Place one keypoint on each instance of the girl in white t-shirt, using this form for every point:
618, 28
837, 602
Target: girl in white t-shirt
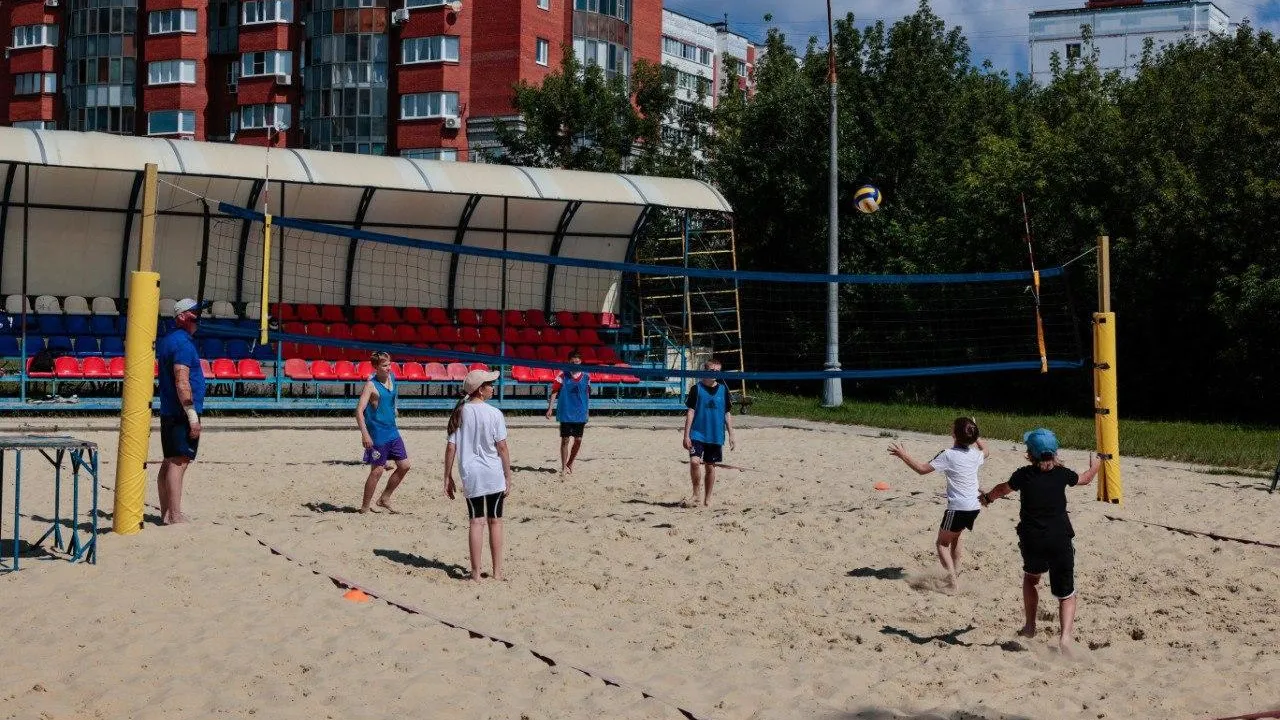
478, 440
959, 464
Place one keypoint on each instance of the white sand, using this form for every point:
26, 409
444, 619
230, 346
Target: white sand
747, 609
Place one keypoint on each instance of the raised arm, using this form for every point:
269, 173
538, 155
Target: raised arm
900, 452
1095, 464
983, 447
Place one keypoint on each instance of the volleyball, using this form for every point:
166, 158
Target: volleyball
867, 198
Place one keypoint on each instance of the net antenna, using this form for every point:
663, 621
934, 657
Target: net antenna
1035, 284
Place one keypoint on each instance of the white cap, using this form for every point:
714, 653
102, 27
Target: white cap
476, 378
184, 305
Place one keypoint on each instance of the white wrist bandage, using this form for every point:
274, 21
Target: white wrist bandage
192, 417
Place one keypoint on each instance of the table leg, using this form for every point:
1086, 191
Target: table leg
17, 503
93, 525
75, 548
57, 502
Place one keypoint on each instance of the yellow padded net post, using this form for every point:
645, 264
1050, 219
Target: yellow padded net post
135, 413
266, 278
1106, 414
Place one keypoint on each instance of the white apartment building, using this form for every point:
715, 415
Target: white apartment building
695, 48
1120, 30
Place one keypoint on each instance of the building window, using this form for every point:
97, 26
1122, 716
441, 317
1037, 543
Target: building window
742, 69
424, 3
35, 83
615, 59
254, 12
171, 21
544, 4
25, 36
36, 125
692, 83
687, 51
171, 72
428, 105
1073, 51
446, 154
233, 76
429, 49
542, 51
616, 8
257, 117
276, 62
171, 122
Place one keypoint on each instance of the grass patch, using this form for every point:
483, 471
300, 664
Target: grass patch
1227, 446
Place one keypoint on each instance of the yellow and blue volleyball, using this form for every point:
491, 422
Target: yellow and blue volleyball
867, 198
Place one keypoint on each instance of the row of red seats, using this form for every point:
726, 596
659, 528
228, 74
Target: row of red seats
604, 355
307, 312
414, 334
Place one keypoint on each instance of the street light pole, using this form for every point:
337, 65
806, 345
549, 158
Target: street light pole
832, 395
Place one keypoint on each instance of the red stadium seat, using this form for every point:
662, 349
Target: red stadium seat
609, 320
365, 369
547, 353
294, 328
544, 375
116, 367
414, 317
525, 352
365, 314
332, 353
406, 335
520, 373
362, 333
205, 367
427, 334
589, 354
511, 335
467, 316
486, 349
530, 336
63, 367
588, 336
551, 336
438, 317
413, 372
340, 331
563, 352
463, 347
346, 370
308, 313
490, 335
566, 318
436, 371
332, 314
447, 334
514, 318
491, 318
569, 336
456, 370
626, 378
588, 320
287, 311
535, 318
251, 369
606, 355
321, 370
389, 315
602, 376
297, 369
383, 333
224, 369
478, 366
291, 350
95, 368
469, 334
310, 351
155, 369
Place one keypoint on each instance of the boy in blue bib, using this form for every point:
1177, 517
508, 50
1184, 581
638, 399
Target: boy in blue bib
376, 418
707, 424
570, 397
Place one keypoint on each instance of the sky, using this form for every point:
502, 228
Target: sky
996, 29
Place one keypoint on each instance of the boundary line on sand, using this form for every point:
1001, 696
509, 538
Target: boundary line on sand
1198, 533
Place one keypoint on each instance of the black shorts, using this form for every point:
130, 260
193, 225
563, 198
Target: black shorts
706, 452
486, 506
175, 437
572, 429
1054, 555
957, 520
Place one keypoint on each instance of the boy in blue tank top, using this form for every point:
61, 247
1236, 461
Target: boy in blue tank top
376, 418
570, 397
707, 423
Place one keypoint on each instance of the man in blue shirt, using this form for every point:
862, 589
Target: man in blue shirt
181, 402
706, 423
570, 398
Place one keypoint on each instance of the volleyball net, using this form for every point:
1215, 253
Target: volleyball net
529, 299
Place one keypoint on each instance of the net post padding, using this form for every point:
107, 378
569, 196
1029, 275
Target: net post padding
135, 412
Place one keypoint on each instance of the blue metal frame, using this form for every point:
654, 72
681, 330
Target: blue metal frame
254, 193
361, 210
562, 227
460, 234
138, 177
64, 448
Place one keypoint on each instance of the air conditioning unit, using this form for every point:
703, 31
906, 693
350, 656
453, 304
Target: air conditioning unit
455, 6
186, 137
51, 3
452, 122
231, 89
284, 79
400, 17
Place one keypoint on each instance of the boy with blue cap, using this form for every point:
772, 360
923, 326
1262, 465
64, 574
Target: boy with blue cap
1044, 528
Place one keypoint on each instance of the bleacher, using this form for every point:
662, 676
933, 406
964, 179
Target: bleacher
87, 339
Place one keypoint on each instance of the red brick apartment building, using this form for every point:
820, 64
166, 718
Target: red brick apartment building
419, 78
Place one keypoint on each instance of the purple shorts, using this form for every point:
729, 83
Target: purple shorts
379, 454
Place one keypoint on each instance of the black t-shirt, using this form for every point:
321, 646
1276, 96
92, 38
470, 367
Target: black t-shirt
1044, 500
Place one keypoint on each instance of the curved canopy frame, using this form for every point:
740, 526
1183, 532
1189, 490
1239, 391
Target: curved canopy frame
83, 195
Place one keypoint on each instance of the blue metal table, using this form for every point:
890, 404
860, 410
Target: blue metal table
84, 462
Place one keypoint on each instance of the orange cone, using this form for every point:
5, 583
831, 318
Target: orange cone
882, 485
356, 595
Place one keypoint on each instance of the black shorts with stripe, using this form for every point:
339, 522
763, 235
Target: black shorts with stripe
485, 506
957, 520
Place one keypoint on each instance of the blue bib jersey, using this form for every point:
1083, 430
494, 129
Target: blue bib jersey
380, 421
575, 393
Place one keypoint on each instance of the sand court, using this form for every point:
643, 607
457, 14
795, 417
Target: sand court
794, 596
